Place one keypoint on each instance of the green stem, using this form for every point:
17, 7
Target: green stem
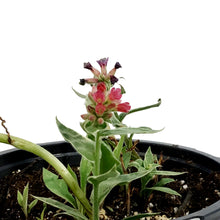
96, 203
54, 162
96, 173
97, 155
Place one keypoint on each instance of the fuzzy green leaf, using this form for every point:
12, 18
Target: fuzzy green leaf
164, 189
32, 204
83, 145
106, 186
20, 198
100, 178
127, 130
25, 199
148, 158
58, 186
85, 170
71, 211
164, 181
79, 94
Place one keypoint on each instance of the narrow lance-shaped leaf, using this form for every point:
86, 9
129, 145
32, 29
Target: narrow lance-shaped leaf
128, 130
106, 186
71, 211
79, 94
83, 145
58, 186
164, 189
85, 170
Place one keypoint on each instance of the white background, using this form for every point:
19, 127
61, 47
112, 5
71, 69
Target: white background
168, 50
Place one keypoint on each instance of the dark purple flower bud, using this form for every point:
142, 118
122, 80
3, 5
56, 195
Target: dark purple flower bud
117, 65
82, 82
90, 109
102, 62
88, 66
113, 79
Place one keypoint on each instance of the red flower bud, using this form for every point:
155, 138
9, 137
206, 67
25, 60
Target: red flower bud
124, 107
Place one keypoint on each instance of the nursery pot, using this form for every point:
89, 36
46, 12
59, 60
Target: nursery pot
180, 156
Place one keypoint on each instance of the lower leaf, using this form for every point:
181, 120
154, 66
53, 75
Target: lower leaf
67, 209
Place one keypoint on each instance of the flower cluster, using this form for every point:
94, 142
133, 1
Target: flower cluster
103, 99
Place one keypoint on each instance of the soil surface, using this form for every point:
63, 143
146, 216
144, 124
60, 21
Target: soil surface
198, 191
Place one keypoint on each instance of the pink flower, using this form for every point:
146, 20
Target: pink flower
124, 107
101, 87
99, 97
115, 94
100, 109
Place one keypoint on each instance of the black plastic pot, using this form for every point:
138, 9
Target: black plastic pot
16, 159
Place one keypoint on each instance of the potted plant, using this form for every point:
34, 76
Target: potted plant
116, 177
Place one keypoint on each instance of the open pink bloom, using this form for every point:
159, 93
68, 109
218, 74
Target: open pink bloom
124, 107
99, 97
100, 109
101, 87
115, 94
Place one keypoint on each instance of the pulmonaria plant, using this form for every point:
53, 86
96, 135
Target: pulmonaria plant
106, 162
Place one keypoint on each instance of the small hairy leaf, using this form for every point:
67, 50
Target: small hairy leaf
164, 189
32, 204
57, 186
127, 130
79, 94
83, 145
71, 211
20, 198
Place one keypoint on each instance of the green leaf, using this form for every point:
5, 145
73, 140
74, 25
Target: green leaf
25, 199
106, 186
71, 211
100, 178
32, 204
79, 94
164, 189
139, 216
164, 181
108, 159
58, 186
167, 173
85, 170
20, 198
118, 148
83, 145
127, 130
148, 158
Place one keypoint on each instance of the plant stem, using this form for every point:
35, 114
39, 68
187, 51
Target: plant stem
95, 202
53, 161
97, 155
96, 173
